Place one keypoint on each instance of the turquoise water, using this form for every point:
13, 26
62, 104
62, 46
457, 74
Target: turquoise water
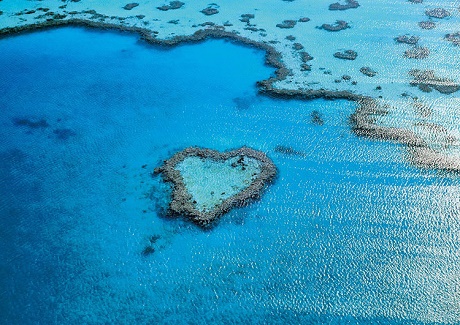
348, 234
222, 177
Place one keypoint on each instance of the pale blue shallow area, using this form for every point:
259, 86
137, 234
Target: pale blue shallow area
349, 233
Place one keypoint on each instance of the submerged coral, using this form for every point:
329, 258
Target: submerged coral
172, 6
412, 40
210, 11
454, 38
417, 52
368, 71
337, 26
350, 4
346, 55
287, 24
427, 24
244, 172
130, 6
426, 81
437, 13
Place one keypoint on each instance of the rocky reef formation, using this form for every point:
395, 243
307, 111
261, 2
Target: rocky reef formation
454, 38
426, 81
93, 19
350, 4
363, 123
287, 24
203, 202
172, 6
316, 118
412, 40
130, 6
437, 13
417, 52
246, 18
337, 26
368, 71
305, 57
288, 151
210, 11
346, 55
427, 24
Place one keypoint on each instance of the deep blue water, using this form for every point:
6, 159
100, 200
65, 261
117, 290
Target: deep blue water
349, 232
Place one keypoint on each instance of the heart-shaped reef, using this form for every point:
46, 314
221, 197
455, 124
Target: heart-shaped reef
208, 183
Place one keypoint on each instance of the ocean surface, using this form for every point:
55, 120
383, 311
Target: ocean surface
349, 233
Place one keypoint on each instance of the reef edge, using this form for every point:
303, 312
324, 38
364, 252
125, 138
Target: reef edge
182, 202
363, 121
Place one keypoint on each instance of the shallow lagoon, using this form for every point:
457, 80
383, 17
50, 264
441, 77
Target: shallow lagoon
202, 174
348, 233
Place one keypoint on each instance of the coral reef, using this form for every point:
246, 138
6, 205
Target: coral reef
350, 4
437, 13
130, 6
346, 55
412, 40
297, 46
246, 18
210, 11
172, 6
305, 57
454, 38
337, 26
368, 71
92, 19
427, 24
426, 81
289, 151
316, 118
287, 24
183, 202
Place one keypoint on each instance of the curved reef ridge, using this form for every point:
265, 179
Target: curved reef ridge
204, 202
364, 121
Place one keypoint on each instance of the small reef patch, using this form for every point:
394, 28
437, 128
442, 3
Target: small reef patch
437, 13
288, 151
454, 38
337, 26
316, 118
207, 183
130, 6
31, 124
368, 71
427, 24
287, 24
209, 11
346, 55
412, 40
426, 81
172, 6
350, 4
417, 52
